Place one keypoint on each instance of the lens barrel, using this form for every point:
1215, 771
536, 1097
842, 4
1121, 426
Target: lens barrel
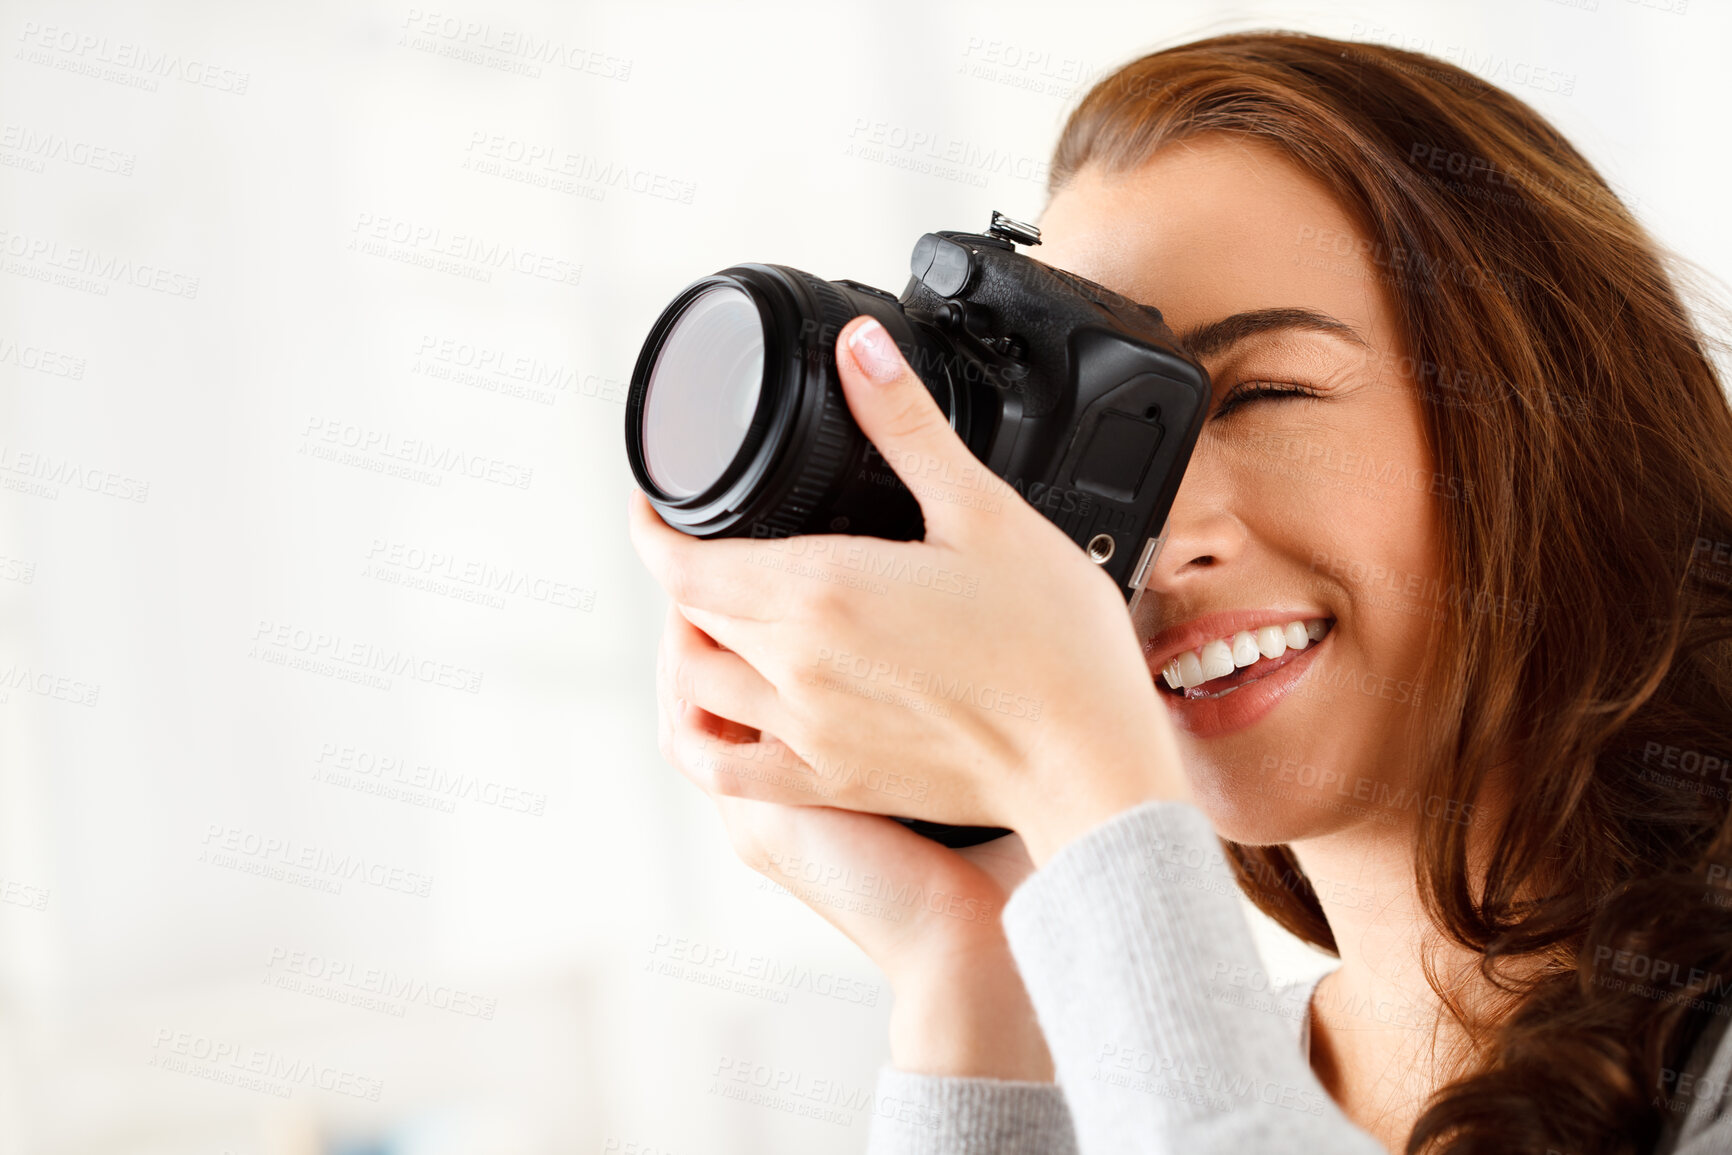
721, 455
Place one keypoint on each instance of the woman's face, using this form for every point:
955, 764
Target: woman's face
1294, 508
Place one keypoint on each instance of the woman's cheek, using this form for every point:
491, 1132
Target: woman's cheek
1378, 562
1332, 753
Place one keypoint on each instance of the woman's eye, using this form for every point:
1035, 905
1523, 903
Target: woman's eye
1240, 394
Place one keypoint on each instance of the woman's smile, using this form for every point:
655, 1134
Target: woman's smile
1223, 672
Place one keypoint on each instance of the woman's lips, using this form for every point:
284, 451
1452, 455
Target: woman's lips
1256, 690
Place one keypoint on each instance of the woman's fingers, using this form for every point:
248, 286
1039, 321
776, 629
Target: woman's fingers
694, 668
742, 764
726, 741
721, 739
899, 896
820, 856
722, 575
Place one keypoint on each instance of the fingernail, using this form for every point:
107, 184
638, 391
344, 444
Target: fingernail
875, 352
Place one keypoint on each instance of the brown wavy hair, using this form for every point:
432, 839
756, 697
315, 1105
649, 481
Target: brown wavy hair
1565, 383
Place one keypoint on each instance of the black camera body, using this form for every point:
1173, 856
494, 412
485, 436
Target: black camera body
1079, 398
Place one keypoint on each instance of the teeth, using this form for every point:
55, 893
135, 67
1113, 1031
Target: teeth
1217, 659
1190, 670
1222, 656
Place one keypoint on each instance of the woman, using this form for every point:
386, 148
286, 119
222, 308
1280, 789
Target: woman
1437, 651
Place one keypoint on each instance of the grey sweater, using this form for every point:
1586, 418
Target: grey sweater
1165, 1033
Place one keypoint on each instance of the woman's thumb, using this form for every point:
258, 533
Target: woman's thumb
901, 418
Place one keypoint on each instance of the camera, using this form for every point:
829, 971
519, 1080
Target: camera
1079, 398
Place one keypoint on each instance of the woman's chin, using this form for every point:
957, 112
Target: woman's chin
1242, 813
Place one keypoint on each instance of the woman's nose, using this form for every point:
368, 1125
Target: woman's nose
1203, 531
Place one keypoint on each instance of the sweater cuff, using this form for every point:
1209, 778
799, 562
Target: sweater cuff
941, 1115
1135, 952
1143, 903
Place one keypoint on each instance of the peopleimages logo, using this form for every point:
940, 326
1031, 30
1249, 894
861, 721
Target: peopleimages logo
463, 253
35, 148
482, 577
812, 881
224, 844
60, 687
136, 65
396, 776
325, 435
714, 964
51, 472
344, 980
254, 1068
42, 255
41, 360
931, 683
509, 49
283, 643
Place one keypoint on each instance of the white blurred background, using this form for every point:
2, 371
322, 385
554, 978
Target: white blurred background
252, 256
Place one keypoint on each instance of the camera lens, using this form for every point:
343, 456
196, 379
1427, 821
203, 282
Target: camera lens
703, 391
736, 425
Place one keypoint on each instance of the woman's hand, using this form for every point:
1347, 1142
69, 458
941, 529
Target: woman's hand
987, 675
928, 916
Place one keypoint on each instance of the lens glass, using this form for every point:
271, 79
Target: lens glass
703, 390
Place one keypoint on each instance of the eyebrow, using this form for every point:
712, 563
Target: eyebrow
1218, 336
